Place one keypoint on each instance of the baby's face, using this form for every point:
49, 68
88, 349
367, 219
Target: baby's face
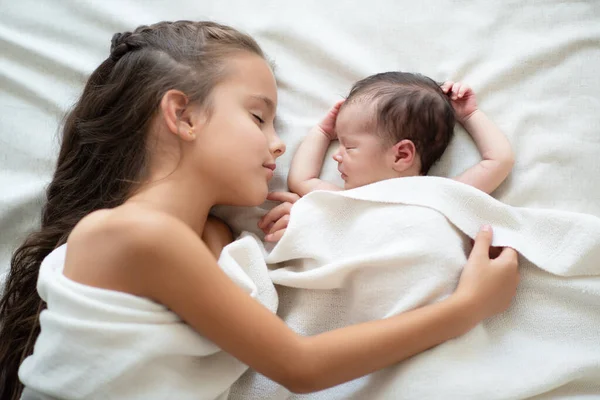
362, 156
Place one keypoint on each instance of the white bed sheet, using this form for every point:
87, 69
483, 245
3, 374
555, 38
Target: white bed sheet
533, 64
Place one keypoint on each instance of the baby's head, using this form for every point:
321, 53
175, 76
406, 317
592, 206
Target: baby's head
392, 124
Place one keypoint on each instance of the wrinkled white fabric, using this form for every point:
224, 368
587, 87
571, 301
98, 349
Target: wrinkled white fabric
103, 344
376, 251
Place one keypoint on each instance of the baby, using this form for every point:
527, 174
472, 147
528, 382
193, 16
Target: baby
398, 124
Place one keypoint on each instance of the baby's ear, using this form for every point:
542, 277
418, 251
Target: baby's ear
405, 155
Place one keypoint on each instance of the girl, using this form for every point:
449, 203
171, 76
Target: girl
177, 119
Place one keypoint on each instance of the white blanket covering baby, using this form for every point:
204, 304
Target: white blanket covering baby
389, 247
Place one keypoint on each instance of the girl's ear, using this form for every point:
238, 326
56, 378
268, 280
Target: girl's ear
404, 155
179, 115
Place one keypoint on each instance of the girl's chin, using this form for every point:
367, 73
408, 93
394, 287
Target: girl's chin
257, 197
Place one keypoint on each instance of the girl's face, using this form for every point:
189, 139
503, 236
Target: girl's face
237, 147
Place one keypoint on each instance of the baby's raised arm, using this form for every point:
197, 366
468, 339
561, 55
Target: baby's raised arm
496, 152
306, 165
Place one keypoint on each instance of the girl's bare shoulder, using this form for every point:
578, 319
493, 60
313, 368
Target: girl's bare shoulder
120, 248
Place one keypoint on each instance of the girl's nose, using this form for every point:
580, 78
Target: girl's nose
276, 146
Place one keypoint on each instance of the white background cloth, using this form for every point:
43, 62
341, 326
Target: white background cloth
533, 65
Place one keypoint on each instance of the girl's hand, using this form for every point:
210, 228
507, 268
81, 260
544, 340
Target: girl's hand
488, 285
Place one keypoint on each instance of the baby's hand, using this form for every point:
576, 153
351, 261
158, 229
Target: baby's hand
462, 98
327, 125
275, 222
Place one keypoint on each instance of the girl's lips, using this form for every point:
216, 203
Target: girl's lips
270, 173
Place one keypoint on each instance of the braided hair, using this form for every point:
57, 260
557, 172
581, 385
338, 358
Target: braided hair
103, 153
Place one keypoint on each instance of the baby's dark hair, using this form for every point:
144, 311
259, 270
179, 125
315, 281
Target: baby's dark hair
409, 106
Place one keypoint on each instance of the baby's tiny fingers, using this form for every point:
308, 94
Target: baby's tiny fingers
280, 224
275, 236
455, 90
446, 86
463, 90
283, 197
274, 214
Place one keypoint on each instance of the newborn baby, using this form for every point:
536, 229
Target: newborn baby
398, 124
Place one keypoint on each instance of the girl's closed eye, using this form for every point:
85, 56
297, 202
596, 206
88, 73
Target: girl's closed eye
258, 119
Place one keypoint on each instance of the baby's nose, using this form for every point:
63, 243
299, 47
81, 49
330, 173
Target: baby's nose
337, 156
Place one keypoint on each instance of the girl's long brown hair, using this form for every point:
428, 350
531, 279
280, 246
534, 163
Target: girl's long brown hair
103, 153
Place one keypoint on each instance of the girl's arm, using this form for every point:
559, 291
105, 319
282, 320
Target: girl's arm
497, 156
182, 274
179, 271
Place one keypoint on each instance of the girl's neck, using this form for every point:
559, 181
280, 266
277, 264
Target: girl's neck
186, 201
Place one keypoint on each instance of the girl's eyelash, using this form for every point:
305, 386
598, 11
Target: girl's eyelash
258, 118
